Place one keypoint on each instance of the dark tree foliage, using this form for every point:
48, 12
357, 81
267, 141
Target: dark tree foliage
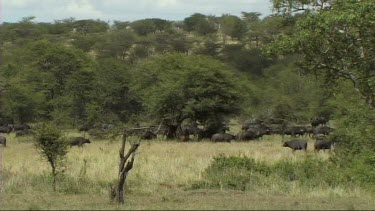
90, 26
147, 26
175, 87
232, 26
200, 24
78, 71
251, 61
335, 41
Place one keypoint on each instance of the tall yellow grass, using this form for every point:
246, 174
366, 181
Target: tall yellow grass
158, 163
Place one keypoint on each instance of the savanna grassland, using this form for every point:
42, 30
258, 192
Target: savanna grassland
162, 178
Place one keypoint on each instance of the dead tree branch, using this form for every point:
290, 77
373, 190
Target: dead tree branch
125, 166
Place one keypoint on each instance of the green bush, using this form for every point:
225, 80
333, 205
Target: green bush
52, 147
244, 173
354, 138
286, 170
237, 163
239, 173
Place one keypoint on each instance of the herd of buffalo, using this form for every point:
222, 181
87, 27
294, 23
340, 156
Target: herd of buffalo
25, 129
253, 129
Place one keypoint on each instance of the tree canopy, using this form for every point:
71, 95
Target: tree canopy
336, 41
175, 87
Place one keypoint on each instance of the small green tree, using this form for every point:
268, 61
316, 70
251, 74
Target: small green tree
52, 147
201, 24
233, 26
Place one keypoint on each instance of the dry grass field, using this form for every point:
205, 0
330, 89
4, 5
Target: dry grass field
161, 178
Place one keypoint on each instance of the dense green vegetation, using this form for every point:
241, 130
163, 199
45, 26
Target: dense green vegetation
86, 71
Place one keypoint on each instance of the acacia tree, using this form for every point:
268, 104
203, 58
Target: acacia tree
150, 25
176, 87
335, 39
200, 23
233, 26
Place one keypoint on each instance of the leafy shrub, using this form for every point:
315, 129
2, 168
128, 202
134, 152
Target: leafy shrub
52, 147
355, 145
244, 173
286, 170
249, 164
233, 173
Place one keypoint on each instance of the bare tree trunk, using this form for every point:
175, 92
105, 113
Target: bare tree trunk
54, 181
53, 168
124, 167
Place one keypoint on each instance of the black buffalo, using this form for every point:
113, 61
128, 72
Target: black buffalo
6, 129
222, 137
319, 121
322, 144
148, 135
78, 141
249, 135
295, 130
309, 130
187, 130
209, 132
251, 123
257, 127
3, 141
296, 144
261, 129
325, 130
276, 129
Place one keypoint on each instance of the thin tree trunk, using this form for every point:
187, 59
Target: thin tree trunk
54, 178
124, 167
53, 168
